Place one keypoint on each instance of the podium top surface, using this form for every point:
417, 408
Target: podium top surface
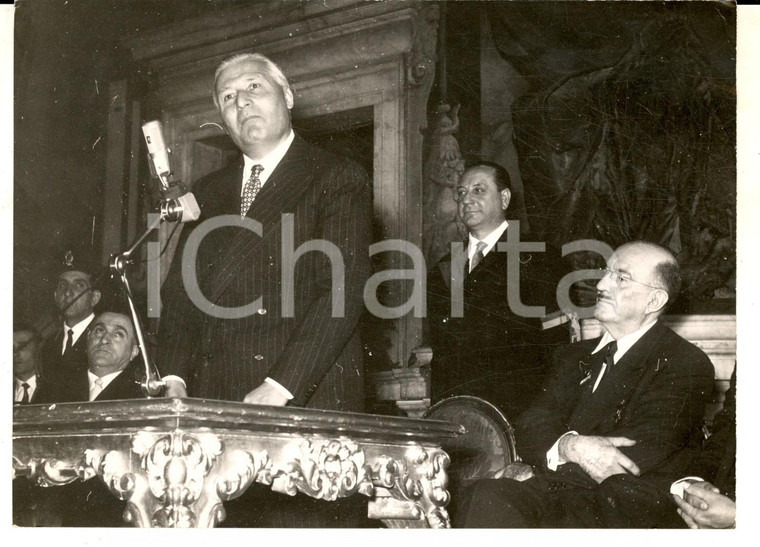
232, 417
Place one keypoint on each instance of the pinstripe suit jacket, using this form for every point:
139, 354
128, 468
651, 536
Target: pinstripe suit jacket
316, 356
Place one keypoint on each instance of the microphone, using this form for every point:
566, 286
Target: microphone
177, 203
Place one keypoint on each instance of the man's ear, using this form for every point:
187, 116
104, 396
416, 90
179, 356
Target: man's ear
94, 297
506, 196
135, 351
289, 100
658, 299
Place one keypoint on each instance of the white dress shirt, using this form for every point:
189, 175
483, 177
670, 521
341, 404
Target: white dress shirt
78, 329
18, 392
553, 459
268, 162
490, 240
104, 380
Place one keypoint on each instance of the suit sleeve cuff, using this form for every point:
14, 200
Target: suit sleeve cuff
279, 387
680, 485
175, 378
553, 459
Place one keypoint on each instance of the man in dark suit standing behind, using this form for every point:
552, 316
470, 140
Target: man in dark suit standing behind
65, 354
491, 350
626, 403
268, 322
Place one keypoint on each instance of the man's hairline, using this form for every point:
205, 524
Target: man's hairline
129, 321
267, 70
654, 275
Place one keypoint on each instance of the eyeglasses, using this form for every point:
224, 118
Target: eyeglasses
618, 277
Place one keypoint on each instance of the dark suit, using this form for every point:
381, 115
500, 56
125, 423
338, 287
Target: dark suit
655, 395
40, 391
125, 386
629, 501
317, 357
56, 368
491, 352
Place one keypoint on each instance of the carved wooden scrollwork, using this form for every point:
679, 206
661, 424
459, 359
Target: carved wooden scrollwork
241, 470
422, 56
421, 479
176, 466
48, 471
112, 467
326, 470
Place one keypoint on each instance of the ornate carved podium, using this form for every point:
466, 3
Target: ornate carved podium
175, 462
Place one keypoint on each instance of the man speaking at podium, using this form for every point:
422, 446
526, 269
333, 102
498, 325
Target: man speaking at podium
272, 319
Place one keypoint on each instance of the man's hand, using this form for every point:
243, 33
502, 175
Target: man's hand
703, 506
174, 389
598, 456
266, 394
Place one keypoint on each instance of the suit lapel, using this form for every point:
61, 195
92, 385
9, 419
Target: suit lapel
617, 385
121, 387
280, 194
494, 263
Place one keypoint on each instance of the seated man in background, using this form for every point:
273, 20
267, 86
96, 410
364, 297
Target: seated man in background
491, 350
112, 372
627, 403
28, 385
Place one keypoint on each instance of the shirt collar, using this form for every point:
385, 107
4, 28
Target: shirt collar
80, 327
107, 379
624, 343
490, 240
268, 162
32, 382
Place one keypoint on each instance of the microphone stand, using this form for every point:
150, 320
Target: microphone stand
152, 385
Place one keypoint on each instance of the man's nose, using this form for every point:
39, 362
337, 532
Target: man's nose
242, 99
604, 282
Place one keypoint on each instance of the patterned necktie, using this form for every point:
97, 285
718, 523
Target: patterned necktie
609, 361
96, 389
25, 398
251, 188
69, 341
478, 256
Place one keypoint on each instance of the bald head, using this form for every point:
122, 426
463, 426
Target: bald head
664, 269
641, 279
